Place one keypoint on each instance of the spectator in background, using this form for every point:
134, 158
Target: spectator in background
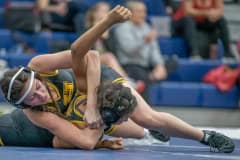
201, 16
138, 51
64, 15
105, 44
137, 48
171, 6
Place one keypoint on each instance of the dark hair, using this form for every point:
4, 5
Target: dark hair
18, 84
115, 101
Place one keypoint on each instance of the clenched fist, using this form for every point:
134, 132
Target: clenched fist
119, 14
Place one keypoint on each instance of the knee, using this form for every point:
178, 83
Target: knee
140, 134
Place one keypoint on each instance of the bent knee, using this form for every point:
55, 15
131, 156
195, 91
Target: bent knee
141, 134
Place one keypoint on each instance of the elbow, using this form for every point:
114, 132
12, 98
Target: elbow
93, 58
93, 55
73, 49
88, 145
34, 62
55, 143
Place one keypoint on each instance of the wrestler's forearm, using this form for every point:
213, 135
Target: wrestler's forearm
86, 41
109, 144
50, 62
84, 138
59, 143
93, 78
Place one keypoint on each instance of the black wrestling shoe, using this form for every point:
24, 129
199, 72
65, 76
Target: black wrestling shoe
218, 142
159, 136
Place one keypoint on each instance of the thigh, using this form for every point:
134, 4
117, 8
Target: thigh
143, 114
8, 133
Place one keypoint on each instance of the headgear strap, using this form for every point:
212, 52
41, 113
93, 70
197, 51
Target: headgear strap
27, 91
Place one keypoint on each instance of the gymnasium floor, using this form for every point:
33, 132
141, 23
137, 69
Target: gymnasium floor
178, 149
147, 149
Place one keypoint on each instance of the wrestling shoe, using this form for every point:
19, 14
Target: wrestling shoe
159, 136
218, 142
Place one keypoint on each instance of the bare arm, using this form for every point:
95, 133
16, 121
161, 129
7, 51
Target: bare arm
50, 62
91, 64
92, 115
191, 11
219, 7
114, 144
216, 12
85, 139
87, 40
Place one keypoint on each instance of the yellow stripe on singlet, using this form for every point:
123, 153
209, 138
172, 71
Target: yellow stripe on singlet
111, 130
1, 142
78, 122
119, 80
75, 109
55, 88
54, 73
81, 96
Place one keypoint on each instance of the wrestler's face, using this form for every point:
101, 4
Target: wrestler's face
38, 94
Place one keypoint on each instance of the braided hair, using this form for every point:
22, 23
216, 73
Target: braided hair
114, 101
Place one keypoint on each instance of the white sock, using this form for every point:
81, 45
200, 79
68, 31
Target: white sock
146, 132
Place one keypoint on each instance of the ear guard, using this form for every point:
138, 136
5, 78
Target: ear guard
19, 101
109, 115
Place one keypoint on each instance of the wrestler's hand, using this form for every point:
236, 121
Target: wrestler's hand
118, 14
114, 144
92, 117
